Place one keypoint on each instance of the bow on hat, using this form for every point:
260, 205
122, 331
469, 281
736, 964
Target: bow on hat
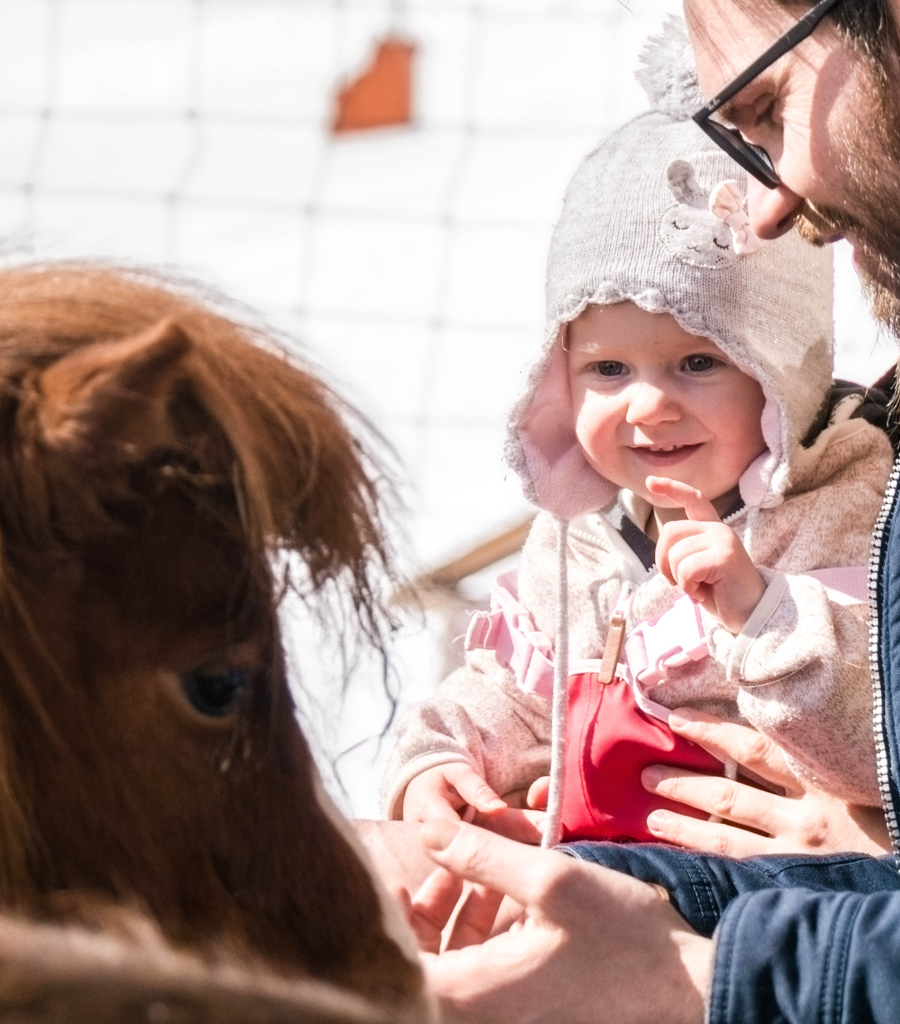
725, 202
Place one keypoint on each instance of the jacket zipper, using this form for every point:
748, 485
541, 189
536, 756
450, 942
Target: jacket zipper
875, 566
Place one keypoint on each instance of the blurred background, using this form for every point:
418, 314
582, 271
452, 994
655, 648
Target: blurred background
380, 180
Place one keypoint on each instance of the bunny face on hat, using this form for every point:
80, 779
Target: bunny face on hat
705, 229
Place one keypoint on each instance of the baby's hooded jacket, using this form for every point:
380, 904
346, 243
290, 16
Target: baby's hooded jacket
636, 226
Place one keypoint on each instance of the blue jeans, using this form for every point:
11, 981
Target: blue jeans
701, 886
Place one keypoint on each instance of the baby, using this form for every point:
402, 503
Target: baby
678, 433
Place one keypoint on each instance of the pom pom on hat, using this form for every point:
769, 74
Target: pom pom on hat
669, 75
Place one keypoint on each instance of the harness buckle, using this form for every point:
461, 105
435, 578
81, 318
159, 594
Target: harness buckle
676, 638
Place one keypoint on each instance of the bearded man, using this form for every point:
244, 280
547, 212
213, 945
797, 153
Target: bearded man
807, 99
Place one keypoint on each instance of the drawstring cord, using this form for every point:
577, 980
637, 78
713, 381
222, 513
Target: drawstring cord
553, 821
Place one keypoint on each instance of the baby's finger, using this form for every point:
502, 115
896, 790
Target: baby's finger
676, 541
538, 794
436, 807
473, 789
695, 506
693, 567
523, 826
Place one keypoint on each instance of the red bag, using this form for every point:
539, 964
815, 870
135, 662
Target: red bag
610, 741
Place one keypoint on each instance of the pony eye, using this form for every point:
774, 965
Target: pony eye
215, 694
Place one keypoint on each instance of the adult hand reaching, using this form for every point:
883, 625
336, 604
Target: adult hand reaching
589, 946
803, 820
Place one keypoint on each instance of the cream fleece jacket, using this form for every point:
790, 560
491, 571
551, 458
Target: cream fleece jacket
798, 671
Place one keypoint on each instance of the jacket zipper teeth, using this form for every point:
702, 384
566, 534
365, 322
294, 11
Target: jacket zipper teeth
881, 752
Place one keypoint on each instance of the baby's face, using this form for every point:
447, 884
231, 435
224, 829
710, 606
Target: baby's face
650, 399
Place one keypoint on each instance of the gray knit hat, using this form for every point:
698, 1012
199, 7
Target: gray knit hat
636, 225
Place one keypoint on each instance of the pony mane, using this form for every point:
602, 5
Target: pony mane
300, 480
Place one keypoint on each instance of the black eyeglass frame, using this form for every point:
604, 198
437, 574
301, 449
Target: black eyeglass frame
754, 159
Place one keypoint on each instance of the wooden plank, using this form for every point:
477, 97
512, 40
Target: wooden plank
447, 577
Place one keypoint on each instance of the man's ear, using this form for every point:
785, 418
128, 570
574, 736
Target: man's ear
114, 390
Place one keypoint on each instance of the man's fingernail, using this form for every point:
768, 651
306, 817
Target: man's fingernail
683, 716
656, 821
651, 776
438, 834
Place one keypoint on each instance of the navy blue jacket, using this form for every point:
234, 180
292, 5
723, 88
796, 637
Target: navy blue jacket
803, 940
793, 955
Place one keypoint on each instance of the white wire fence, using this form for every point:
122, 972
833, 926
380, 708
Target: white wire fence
408, 261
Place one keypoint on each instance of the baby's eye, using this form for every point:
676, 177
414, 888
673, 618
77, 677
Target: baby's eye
609, 368
700, 363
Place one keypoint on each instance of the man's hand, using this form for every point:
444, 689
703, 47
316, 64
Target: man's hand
705, 558
802, 820
589, 945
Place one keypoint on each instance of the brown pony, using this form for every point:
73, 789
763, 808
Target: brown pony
157, 459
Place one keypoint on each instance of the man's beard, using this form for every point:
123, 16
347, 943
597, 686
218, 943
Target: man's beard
870, 174
876, 251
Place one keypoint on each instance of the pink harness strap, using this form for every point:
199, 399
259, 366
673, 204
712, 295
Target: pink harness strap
509, 631
651, 648
847, 584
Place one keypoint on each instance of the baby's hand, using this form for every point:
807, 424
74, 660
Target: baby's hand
455, 791
705, 558
451, 791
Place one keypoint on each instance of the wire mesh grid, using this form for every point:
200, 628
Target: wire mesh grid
409, 260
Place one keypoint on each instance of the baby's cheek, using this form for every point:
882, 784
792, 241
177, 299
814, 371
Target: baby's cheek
594, 426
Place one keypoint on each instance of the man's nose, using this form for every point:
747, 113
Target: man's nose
771, 210
649, 404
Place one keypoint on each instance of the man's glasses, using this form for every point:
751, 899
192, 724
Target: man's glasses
754, 159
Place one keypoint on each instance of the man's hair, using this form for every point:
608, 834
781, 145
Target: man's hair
867, 24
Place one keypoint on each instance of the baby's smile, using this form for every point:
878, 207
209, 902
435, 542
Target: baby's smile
664, 454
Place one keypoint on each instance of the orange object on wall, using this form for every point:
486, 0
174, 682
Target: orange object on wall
382, 94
